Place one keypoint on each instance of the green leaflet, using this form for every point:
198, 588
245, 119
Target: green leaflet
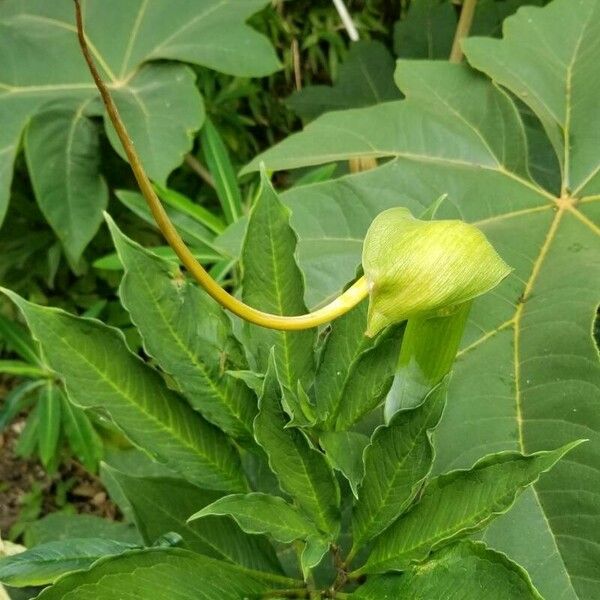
46, 563
396, 463
464, 571
155, 573
273, 283
19, 340
160, 102
456, 504
261, 513
99, 371
188, 334
302, 471
163, 504
69, 188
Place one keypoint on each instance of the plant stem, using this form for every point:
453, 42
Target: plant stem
338, 307
462, 30
195, 165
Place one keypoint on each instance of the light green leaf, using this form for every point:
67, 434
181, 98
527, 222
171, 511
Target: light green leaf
456, 504
123, 38
344, 449
159, 573
366, 77
46, 563
99, 371
49, 400
396, 464
62, 526
261, 513
273, 283
188, 334
62, 148
222, 171
163, 504
312, 554
302, 471
111, 262
465, 571
527, 375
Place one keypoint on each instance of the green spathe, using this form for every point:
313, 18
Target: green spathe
422, 267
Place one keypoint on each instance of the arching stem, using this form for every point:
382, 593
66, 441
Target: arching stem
338, 307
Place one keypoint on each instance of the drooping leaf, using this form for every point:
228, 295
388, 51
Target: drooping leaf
302, 471
465, 571
19, 340
396, 463
366, 77
273, 283
188, 334
159, 573
527, 375
344, 450
62, 526
163, 504
62, 147
261, 513
99, 371
456, 504
160, 102
46, 563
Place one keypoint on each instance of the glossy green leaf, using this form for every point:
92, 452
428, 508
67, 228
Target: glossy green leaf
456, 504
99, 371
157, 98
49, 400
365, 77
163, 504
63, 526
62, 148
46, 563
161, 572
527, 375
188, 334
302, 471
344, 450
273, 283
396, 463
261, 513
465, 571
219, 164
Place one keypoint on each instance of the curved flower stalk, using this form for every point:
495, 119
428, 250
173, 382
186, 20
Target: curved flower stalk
411, 267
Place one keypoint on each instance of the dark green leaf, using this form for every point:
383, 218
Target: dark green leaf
465, 571
302, 471
188, 334
99, 371
19, 340
49, 401
458, 503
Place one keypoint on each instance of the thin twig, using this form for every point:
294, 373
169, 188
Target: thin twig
195, 165
297, 66
462, 29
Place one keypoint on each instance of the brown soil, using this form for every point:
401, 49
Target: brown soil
71, 485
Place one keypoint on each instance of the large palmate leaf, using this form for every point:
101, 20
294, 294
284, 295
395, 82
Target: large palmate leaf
164, 504
465, 571
188, 334
159, 573
527, 376
42, 65
100, 372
